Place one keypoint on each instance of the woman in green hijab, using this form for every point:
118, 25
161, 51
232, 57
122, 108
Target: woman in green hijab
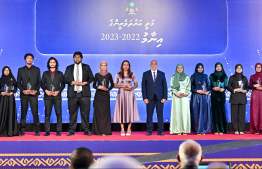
218, 81
180, 122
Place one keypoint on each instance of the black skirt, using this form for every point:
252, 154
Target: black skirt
8, 117
102, 114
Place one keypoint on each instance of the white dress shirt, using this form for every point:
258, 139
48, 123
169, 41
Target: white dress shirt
153, 74
78, 88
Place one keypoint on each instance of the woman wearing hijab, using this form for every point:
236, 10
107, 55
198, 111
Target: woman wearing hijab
200, 103
256, 101
102, 114
218, 81
180, 112
8, 115
238, 86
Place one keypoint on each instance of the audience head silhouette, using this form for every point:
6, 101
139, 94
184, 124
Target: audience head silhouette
81, 158
190, 154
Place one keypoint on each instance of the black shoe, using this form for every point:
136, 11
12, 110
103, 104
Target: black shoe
47, 134
21, 133
37, 133
58, 133
70, 134
160, 133
148, 133
87, 133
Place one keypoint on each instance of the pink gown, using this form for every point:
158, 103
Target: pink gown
126, 107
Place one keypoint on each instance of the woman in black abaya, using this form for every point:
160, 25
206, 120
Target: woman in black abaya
8, 114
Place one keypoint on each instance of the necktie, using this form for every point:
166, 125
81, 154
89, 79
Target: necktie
155, 80
77, 76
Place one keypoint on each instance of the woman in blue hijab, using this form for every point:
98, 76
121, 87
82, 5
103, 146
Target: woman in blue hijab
200, 103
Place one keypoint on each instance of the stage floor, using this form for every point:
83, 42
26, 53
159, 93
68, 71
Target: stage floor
79, 136
153, 151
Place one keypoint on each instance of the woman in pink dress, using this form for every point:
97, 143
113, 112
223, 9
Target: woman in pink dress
256, 101
125, 107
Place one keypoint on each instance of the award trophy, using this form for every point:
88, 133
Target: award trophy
52, 89
242, 86
258, 81
104, 82
29, 87
204, 88
6, 88
218, 83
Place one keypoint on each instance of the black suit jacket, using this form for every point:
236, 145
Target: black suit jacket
237, 98
87, 76
58, 83
23, 79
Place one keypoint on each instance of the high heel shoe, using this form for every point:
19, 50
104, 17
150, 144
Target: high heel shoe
123, 133
128, 134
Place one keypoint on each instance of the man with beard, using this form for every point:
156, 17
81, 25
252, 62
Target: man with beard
53, 85
29, 82
78, 77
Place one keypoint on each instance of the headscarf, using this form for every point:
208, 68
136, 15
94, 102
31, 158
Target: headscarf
7, 79
200, 76
219, 73
258, 74
238, 76
178, 77
103, 73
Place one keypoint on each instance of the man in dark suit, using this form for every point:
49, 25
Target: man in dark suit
154, 91
29, 82
78, 77
53, 85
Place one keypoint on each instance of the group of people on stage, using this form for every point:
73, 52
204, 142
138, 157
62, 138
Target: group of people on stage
205, 113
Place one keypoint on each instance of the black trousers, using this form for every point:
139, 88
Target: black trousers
238, 112
159, 110
73, 104
48, 110
34, 108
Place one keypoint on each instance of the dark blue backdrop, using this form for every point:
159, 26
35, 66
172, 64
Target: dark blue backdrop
171, 31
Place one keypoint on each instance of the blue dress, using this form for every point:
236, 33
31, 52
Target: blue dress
200, 106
